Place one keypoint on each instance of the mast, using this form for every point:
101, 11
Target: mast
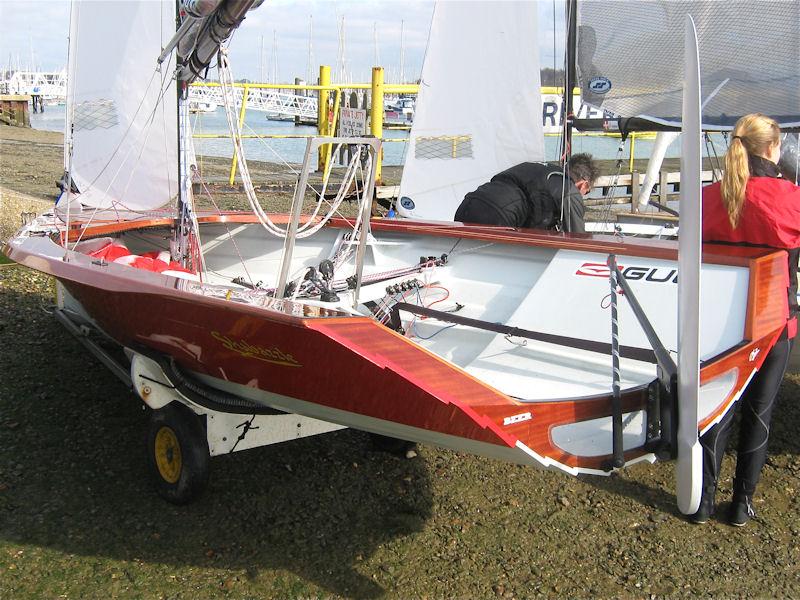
402, 55
180, 247
177, 244
274, 56
261, 62
342, 58
310, 61
69, 100
570, 54
570, 57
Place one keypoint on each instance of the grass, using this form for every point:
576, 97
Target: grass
14, 207
326, 517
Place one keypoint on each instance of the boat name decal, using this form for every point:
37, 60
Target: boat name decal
652, 274
271, 355
526, 416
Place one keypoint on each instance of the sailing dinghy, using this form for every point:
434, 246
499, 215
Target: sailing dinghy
540, 348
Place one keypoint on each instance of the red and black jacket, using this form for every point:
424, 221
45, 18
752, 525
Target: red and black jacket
770, 217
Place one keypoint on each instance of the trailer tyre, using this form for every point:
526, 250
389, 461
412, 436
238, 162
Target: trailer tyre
177, 453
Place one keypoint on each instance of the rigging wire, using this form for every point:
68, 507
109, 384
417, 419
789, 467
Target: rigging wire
309, 227
711, 152
115, 203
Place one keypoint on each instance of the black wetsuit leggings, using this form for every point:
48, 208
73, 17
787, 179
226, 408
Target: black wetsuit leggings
756, 406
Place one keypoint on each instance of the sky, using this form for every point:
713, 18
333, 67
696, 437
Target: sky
35, 32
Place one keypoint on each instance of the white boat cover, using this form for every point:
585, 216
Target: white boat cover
122, 110
630, 58
479, 106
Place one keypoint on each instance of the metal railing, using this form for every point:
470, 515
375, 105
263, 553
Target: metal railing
274, 97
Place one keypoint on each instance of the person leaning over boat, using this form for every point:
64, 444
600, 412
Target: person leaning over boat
529, 195
752, 206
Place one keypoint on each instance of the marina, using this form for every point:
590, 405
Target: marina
261, 275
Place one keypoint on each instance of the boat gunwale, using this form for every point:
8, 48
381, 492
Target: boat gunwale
587, 242
168, 286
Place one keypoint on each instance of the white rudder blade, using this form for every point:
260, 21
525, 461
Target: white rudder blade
689, 469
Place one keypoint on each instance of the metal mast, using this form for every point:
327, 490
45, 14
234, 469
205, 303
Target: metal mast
402, 55
310, 62
570, 57
179, 248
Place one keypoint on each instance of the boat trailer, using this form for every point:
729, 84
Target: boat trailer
189, 422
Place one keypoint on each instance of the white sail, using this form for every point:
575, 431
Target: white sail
122, 110
479, 106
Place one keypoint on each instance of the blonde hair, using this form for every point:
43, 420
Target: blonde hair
753, 134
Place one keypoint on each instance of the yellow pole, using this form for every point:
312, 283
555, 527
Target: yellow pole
376, 116
242, 110
322, 116
335, 117
633, 146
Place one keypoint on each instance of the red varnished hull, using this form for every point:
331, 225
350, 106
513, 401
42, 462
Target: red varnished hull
351, 364
361, 370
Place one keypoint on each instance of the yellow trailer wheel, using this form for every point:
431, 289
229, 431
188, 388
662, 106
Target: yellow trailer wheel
177, 452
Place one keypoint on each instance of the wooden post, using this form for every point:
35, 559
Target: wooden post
14, 110
635, 192
376, 117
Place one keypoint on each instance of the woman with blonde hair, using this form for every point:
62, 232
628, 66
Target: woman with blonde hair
752, 206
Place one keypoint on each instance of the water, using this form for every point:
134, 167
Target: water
271, 150
293, 150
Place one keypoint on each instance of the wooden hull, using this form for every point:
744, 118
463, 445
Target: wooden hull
350, 369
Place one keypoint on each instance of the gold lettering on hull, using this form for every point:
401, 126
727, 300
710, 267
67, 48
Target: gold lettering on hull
272, 355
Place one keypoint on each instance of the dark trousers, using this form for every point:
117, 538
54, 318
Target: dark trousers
756, 406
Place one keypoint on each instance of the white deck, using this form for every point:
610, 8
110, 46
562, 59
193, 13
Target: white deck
559, 292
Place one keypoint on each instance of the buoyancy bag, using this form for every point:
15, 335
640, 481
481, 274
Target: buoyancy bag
495, 203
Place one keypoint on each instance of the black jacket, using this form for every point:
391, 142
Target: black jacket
543, 186
525, 195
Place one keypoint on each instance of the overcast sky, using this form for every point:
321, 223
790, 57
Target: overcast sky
35, 32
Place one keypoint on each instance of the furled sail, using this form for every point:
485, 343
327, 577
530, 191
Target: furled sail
479, 106
630, 58
121, 109
207, 23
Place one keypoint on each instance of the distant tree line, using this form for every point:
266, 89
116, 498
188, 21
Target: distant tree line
550, 77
